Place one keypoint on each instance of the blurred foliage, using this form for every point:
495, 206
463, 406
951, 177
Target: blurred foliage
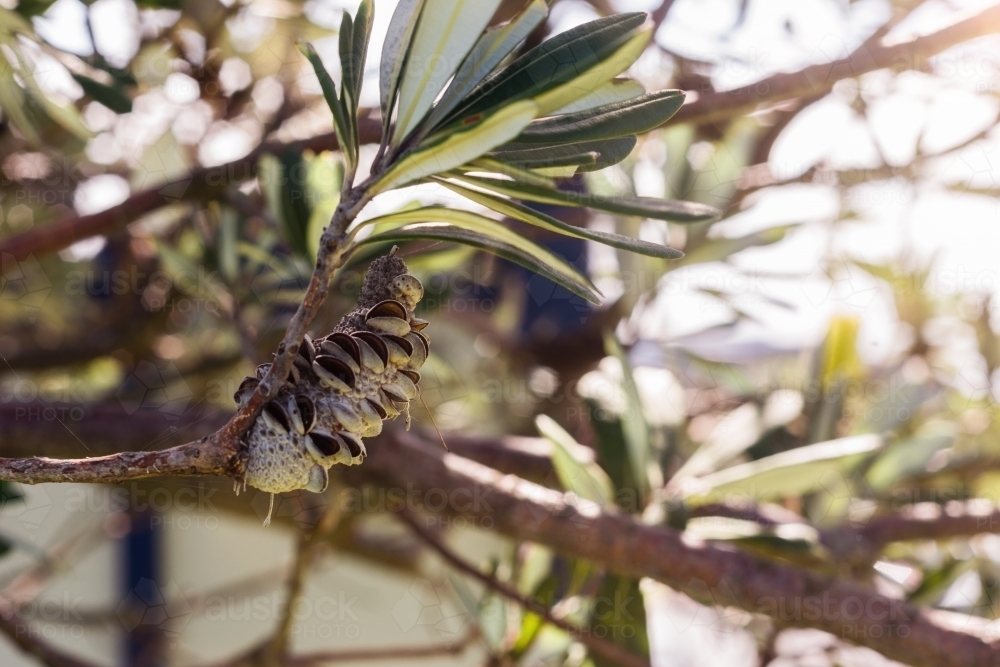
641, 420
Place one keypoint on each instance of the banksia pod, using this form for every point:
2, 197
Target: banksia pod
341, 387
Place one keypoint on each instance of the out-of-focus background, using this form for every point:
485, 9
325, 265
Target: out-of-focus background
849, 288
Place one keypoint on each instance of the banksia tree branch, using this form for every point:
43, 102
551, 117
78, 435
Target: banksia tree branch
789, 595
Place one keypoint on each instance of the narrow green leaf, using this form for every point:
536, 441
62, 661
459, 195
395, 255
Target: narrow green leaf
645, 207
634, 116
495, 45
460, 147
445, 34
347, 64
530, 156
586, 480
720, 248
794, 472
552, 63
394, 54
634, 427
363, 22
518, 211
66, 115
490, 165
340, 120
616, 90
13, 100
733, 435
110, 96
596, 76
482, 225
450, 234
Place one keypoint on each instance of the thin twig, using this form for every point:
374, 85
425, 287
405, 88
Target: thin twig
402, 653
32, 642
613, 652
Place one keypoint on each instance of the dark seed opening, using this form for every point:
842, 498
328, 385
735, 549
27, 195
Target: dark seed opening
307, 410
348, 344
388, 308
413, 375
402, 342
425, 340
376, 343
327, 444
378, 408
279, 414
306, 350
352, 446
337, 368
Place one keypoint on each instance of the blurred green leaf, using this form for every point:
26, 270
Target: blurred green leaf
625, 204
794, 472
634, 426
112, 97
910, 456
717, 250
585, 479
733, 435
518, 211
340, 115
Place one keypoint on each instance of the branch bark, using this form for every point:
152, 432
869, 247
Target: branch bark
871, 56
789, 595
609, 650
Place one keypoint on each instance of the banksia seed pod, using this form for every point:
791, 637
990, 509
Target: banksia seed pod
341, 387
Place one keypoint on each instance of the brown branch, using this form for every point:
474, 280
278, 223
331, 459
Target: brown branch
199, 184
789, 595
402, 653
913, 54
930, 521
31, 642
613, 652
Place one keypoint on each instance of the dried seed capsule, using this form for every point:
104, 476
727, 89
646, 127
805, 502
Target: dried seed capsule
387, 308
354, 445
307, 350
345, 416
389, 325
420, 349
407, 289
307, 412
334, 373
406, 383
371, 420
374, 353
319, 479
418, 324
400, 349
276, 417
336, 349
246, 388
377, 406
